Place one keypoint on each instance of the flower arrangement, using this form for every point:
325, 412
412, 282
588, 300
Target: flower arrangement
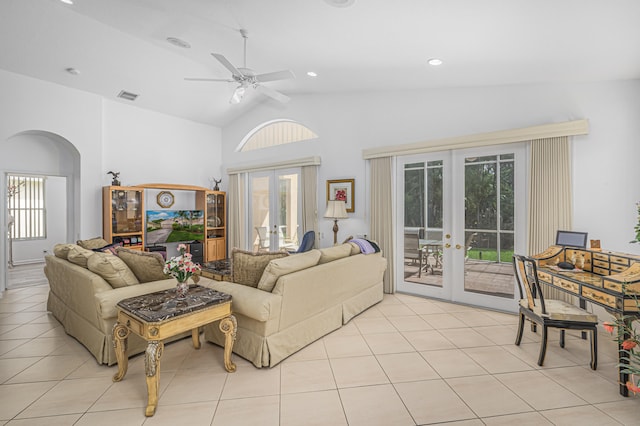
628, 339
181, 267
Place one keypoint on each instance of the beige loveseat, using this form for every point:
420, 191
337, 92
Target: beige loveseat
85, 286
312, 294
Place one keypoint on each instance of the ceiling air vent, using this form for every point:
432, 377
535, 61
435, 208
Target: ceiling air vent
127, 95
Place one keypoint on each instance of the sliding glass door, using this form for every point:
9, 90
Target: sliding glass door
461, 212
274, 210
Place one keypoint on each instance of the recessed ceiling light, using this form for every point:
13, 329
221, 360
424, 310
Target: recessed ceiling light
177, 42
67, 1
312, 74
434, 62
340, 3
72, 71
127, 95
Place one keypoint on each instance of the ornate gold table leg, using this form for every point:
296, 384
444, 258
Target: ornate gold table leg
228, 326
120, 334
195, 337
152, 370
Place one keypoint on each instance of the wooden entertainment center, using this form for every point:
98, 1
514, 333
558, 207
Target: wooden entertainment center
123, 216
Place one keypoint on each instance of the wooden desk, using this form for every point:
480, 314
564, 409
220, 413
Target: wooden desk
158, 316
608, 279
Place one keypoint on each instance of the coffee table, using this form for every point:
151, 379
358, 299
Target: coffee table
160, 315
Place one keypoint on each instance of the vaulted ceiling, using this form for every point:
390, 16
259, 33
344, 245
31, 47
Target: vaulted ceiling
370, 45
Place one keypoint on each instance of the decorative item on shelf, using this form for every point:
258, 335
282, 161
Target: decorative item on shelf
115, 181
342, 190
336, 209
182, 268
216, 187
165, 199
595, 245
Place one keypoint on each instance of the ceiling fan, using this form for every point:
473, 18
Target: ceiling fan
248, 78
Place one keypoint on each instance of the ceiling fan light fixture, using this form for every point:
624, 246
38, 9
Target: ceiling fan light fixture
238, 94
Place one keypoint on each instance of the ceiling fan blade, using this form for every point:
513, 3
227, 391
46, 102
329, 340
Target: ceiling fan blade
273, 94
273, 76
227, 65
209, 79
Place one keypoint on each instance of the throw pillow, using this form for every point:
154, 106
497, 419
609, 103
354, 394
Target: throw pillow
248, 266
79, 255
146, 266
330, 254
278, 267
93, 243
112, 269
62, 250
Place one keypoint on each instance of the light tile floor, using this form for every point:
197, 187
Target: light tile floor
405, 361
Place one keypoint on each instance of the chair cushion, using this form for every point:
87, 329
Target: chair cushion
112, 269
79, 255
93, 243
286, 265
248, 267
561, 311
146, 266
330, 254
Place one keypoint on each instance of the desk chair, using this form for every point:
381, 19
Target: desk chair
412, 248
549, 313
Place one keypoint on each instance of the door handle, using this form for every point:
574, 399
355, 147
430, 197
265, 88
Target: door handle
458, 246
447, 245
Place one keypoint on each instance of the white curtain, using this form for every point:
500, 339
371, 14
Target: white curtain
381, 210
309, 189
236, 205
550, 197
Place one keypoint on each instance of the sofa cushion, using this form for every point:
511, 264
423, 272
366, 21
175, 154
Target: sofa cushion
330, 254
247, 267
278, 267
112, 269
146, 266
79, 255
93, 243
62, 250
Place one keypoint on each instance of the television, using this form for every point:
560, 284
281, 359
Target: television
174, 226
571, 239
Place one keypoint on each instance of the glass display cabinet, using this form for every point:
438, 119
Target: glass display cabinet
123, 215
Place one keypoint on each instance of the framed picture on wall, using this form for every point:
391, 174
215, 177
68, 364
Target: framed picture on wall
342, 189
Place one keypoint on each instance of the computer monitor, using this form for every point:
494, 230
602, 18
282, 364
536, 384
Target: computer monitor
571, 239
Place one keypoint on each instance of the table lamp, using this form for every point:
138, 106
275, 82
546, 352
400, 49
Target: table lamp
336, 209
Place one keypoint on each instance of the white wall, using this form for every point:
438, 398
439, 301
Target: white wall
143, 145
605, 170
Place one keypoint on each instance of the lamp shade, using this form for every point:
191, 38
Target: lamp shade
336, 209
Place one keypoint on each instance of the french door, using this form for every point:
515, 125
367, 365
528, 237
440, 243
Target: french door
461, 215
274, 210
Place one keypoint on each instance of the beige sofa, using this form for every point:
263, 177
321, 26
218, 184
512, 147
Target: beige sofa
305, 304
84, 301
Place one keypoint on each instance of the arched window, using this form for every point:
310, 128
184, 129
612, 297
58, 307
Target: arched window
275, 132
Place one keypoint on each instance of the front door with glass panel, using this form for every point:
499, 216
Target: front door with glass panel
274, 210
461, 211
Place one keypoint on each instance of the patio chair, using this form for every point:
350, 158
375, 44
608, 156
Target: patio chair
549, 313
412, 249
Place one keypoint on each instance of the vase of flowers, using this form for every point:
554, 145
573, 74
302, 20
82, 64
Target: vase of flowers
182, 268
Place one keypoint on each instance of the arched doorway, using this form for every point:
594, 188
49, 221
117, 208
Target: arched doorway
42, 153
